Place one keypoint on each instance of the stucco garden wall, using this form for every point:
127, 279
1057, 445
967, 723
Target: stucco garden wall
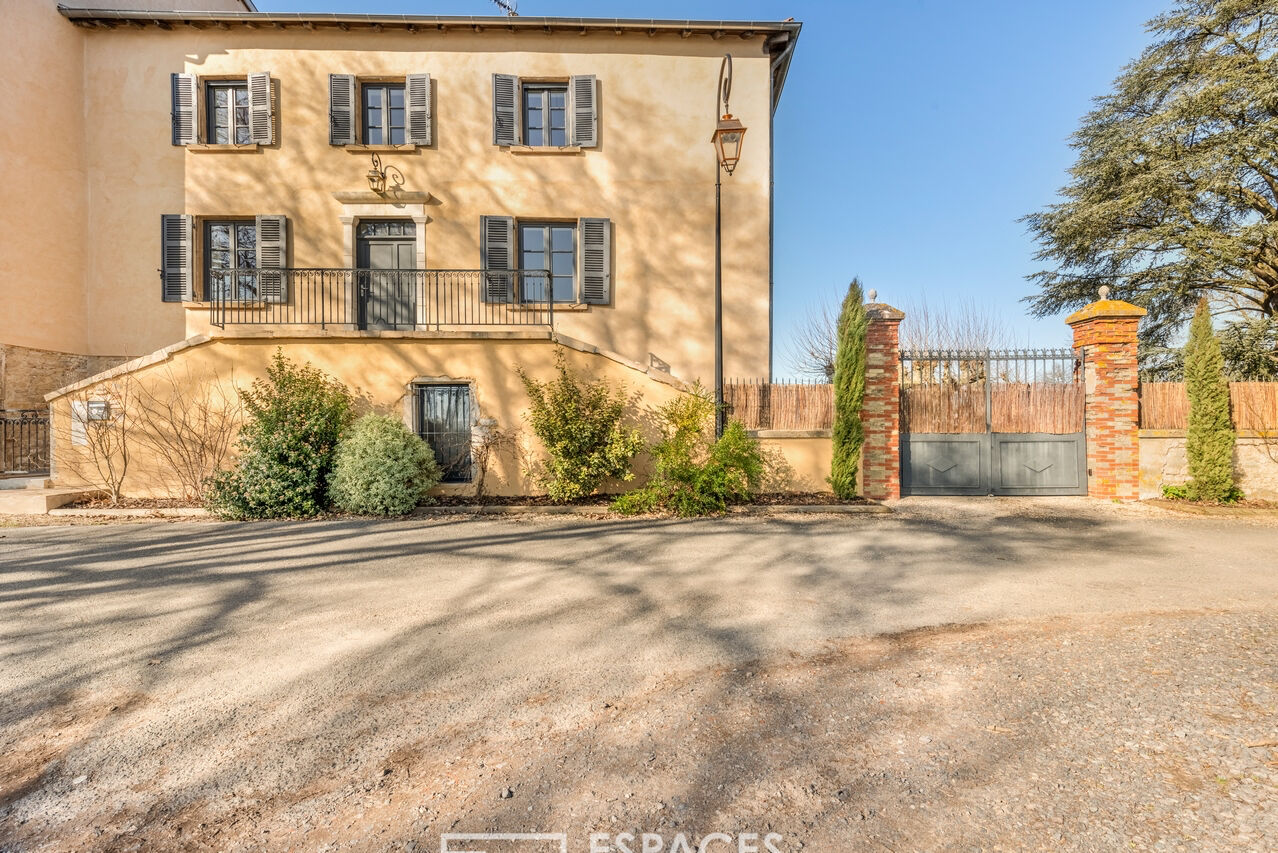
1163, 462
379, 371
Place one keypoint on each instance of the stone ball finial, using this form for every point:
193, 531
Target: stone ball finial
874, 296
1104, 291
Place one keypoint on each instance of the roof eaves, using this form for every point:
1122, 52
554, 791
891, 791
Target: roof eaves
480, 22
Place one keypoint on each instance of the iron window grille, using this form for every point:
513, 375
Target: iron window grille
443, 420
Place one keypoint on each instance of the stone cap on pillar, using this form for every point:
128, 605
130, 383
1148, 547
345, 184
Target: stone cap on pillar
883, 311
1105, 309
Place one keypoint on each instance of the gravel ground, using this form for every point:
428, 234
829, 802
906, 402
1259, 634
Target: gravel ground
961, 675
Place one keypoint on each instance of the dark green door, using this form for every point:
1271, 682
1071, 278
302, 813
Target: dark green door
386, 261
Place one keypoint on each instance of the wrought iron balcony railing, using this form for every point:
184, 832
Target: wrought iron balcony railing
403, 300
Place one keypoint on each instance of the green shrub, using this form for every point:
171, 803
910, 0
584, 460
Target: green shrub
849, 393
1176, 493
293, 420
381, 468
694, 475
1209, 440
579, 423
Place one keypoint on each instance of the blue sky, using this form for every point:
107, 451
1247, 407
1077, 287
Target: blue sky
952, 122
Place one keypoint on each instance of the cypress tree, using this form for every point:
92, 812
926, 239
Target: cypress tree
1209, 441
849, 393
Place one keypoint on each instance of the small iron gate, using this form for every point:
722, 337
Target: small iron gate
1000, 422
24, 441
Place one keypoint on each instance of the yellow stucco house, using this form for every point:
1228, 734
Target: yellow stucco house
414, 204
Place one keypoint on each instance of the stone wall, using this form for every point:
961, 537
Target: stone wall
26, 374
1163, 463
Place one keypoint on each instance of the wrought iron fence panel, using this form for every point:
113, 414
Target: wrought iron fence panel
24, 441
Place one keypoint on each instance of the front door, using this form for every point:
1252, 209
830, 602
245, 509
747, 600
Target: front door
386, 278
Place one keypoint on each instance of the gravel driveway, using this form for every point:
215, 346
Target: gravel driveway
964, 674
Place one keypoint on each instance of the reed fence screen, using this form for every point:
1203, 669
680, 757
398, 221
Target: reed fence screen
780, 405
1253, 405
1005, 391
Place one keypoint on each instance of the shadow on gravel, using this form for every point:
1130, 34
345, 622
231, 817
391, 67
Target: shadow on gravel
527, 619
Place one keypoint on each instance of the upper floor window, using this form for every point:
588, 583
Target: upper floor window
379, 112
550, 246
383, 110
230, 259
227, 111
238, 258
575, 255
545, 113
223, 111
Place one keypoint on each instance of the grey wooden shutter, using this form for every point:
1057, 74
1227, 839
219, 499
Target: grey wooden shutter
272, 257
585, 110
497, 252
175, 258
341, 109
594, 261
417, 101
261, 116
183, 115
505, 109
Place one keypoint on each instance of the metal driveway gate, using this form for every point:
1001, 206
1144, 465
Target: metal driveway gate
1000, 422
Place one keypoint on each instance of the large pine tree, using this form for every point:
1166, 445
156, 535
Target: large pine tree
1174, 195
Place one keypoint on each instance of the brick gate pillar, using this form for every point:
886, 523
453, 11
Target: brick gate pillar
1105, 334
881, 410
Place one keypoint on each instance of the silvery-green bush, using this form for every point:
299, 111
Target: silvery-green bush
381, 468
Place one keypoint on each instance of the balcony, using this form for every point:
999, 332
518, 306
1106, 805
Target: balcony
383, 300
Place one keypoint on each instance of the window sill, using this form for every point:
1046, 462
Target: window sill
542, 149
208, 146
560, 307
366, 149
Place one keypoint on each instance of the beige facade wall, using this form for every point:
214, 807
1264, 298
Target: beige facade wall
652, 173
43, 229
1163, 463
379, 370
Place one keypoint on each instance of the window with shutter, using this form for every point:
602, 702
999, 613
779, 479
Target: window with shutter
183, 115
261, 118
595, 261
505, 109
272, 258
417, 95
175, 258
341, 109
497, 256
583, 91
